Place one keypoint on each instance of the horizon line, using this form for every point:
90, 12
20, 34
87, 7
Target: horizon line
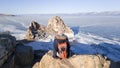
56, 13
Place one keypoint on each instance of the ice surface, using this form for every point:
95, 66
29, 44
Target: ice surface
93, 35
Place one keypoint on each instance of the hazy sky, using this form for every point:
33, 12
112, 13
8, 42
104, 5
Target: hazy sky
57, 6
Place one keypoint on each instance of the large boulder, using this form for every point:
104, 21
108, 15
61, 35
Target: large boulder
36, 31
56, 23
24, 55
7, 46
76, 61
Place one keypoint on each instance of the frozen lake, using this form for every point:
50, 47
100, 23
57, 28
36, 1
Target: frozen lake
90, 31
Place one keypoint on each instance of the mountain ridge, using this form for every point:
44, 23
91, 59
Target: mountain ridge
101, 13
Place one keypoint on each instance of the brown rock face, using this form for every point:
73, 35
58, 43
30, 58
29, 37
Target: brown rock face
38, 31
34, 25
76, 61
35, 31
55, 24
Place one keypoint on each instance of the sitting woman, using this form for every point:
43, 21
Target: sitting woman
61, 46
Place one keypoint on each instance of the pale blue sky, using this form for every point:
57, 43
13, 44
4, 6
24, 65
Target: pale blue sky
57, 6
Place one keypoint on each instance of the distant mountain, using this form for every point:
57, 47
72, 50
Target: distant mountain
105, 13
6, 14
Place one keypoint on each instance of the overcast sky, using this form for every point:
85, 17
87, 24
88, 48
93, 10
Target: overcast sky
57, 6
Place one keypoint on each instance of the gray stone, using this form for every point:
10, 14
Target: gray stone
24, 55
7, 46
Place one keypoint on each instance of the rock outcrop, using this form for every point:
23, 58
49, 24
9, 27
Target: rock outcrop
7, 46
76, 61
55, 24
38, 31
14, 54
24, 55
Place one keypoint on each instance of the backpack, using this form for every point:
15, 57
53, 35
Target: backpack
62, 50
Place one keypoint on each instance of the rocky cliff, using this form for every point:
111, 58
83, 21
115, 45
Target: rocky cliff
7, 46
56, 23
14, 54
38, 31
